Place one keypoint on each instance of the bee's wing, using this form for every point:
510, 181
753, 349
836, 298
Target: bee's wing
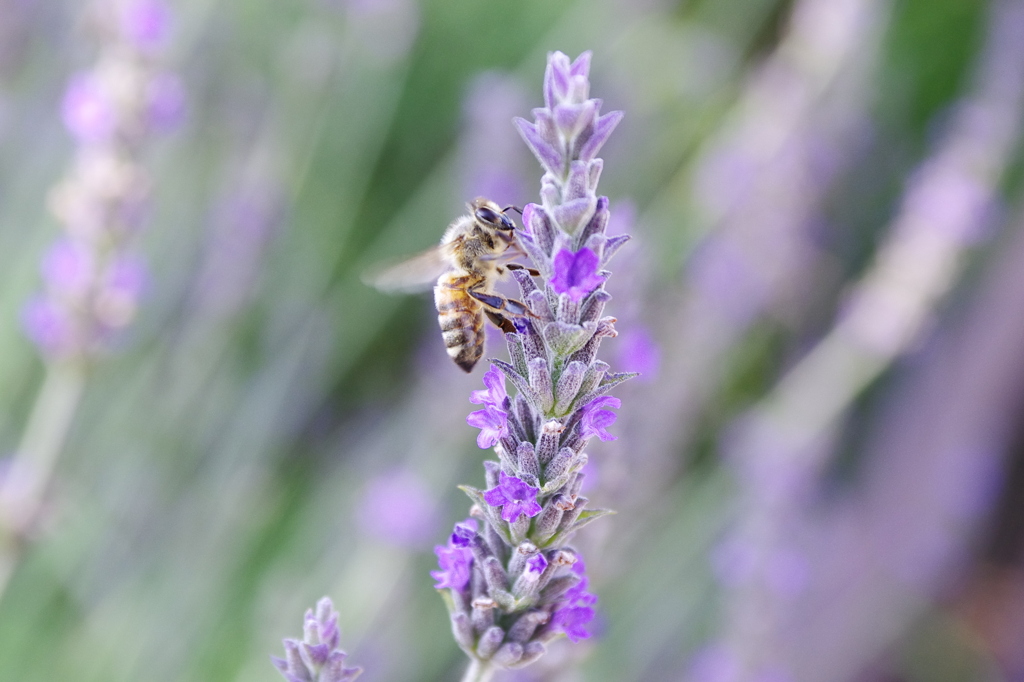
417, 273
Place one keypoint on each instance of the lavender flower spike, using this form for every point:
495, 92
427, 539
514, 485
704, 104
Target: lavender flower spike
316, 658
93, 278
93, 275
515, 584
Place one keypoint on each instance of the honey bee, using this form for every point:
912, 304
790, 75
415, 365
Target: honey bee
472, 256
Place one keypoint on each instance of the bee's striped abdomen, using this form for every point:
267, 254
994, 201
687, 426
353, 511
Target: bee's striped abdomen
461, 319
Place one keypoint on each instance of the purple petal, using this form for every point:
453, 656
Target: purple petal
548, 157
537, 564
455, 567
598, 222
612, 246
511, 511
574, 213
571, 119
544, 124
556, 79
493, 424
514, 496
603, 128
576, 186
527, 217
330, 634
495, 497
316, 653
335, 670
515, 487
540, 227
602, 402
495, 393
464, 533
596, 419
579, 90
581, 67
572, 621
483, 419
576, 273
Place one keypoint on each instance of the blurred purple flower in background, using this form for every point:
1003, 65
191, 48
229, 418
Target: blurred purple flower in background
714, 663
87, 109
46, 325
397, 507
241, 228
146, 24
69, 267
638, 352
166, 108
878, 555
92, 278
492, 159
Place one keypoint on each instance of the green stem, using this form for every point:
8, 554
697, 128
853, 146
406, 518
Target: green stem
478, 671
45, 433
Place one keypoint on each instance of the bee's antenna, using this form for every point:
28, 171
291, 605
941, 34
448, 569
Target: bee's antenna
513, 208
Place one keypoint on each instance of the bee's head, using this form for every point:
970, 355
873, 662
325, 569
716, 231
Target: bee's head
488, 213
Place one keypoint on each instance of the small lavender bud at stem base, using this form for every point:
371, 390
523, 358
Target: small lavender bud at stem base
490, 641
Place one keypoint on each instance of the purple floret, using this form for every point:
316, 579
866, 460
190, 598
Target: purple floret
495, 394
596, 419
493, 425
576, 273
455, 564
514, 497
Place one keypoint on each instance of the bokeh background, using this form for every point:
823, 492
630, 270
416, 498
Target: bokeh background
818, 476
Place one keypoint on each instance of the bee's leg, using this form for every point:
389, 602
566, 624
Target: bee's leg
502, 323
508, 306
517, 266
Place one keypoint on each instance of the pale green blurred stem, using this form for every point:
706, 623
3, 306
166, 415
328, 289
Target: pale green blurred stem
478, 671
41, 444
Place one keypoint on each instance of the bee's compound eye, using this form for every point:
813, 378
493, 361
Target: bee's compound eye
488, 216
